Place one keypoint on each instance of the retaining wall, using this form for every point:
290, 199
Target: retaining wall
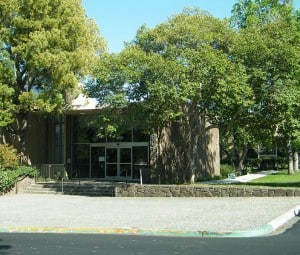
135, 190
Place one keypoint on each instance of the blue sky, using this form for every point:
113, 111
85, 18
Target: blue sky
119, 20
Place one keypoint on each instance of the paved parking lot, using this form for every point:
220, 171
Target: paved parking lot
153, 214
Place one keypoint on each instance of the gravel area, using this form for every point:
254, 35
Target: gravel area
184, 214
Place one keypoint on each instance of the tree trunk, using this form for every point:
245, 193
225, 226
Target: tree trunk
296, 161
16, 135
240, 156
241, 159
290, 157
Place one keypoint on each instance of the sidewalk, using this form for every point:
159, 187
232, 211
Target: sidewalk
242, 178
229, 217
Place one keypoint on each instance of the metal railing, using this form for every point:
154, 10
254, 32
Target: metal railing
52, 171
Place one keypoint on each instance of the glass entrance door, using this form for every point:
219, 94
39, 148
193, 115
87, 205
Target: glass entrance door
119, 163
112, 163
125, 163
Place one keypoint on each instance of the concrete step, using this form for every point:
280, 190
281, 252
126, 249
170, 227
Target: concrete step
72, 189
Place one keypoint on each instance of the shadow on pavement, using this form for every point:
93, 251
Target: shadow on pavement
4, 248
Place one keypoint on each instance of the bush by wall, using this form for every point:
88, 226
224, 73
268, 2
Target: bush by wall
266, 163
8, 178
226, 170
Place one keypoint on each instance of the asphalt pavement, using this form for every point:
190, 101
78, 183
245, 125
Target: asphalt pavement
197, 217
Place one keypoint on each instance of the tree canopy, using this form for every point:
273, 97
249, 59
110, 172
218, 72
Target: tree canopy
51, 49
268, 47
242, 77
7, 108
51, 45
179, 73
183, 65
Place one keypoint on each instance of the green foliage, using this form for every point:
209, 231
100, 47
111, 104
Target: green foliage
226, 170
7, 108
268, 46
265, 163
9, 158
47, 48
7, 181
26, 171
179, 68
51, 49
248, 13
9, 178
270, 52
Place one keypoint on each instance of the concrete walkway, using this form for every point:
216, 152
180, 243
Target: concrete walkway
242, 178
146, 216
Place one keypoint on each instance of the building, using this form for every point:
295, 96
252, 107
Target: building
69, 142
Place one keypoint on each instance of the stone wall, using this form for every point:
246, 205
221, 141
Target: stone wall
135, 190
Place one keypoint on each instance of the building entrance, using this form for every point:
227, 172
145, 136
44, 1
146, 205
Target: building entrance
118, 161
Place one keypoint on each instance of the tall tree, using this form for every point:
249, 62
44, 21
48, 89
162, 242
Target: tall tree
7, 107
247, 13
51, 45
179, 75
269, 48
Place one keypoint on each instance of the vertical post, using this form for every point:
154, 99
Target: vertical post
62, 172
49, 171
290, 156
141, 175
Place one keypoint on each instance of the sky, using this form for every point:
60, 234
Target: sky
119, 20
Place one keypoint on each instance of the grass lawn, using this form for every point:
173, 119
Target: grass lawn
280, 179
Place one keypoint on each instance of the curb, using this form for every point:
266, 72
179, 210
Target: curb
261, 231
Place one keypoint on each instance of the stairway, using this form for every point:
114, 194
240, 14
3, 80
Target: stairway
72, 188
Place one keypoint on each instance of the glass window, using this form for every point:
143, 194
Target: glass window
83, 132
81, 160
140, 155
98, 162
59, 141
111, 155
140, 160
112, 170
125, 155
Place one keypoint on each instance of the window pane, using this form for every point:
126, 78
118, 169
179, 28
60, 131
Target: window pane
111, 155
140, 154
125, 170
125, 155
81, 160
111, 170
98, 162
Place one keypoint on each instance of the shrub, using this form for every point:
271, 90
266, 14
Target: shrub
9, 158
266, 163
26, 171
225, 170
9, 178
